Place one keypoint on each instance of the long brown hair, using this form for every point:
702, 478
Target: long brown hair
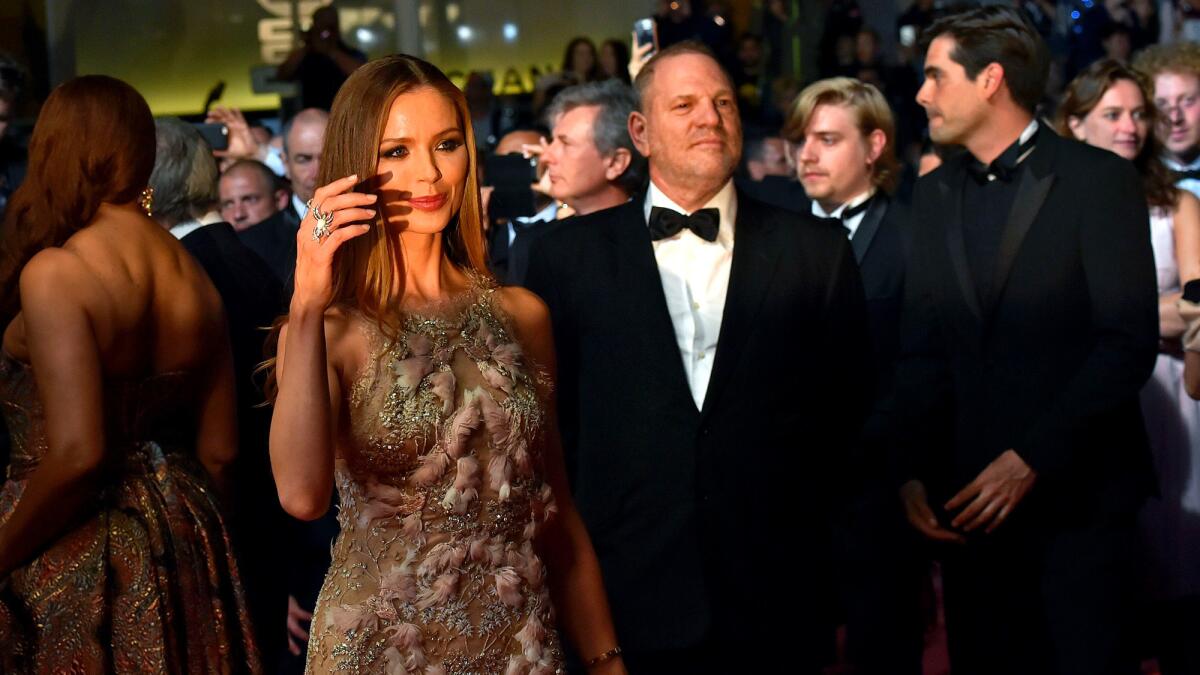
1084, 94
93, 142
364, 269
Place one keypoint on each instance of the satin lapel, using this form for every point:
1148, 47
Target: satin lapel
638, 282
861, 241
1031, 194
754, 261
950, 190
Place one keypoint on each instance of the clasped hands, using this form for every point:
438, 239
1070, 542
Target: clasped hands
986, 502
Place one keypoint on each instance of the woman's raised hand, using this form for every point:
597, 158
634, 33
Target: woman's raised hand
335, 216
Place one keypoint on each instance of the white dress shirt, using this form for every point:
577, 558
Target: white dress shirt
300, 207
1192, 185
695, 279
850, 224
181, 230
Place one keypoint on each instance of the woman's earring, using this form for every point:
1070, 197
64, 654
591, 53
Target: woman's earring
146, 201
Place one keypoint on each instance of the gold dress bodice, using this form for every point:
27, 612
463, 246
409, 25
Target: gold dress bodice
442, 494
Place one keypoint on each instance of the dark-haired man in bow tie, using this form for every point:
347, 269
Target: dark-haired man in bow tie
1030, 320
711, 380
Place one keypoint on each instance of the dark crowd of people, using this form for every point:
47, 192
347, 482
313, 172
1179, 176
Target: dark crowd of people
432, 380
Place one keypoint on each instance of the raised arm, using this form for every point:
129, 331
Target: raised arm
304, 421
574, 572
66, 366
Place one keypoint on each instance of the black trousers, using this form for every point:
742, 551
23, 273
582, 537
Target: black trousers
1038, 601
881, 564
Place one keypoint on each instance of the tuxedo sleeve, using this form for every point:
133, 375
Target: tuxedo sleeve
848, 344
1118, 264
909, 419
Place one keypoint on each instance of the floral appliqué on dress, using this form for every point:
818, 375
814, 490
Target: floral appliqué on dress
442, 494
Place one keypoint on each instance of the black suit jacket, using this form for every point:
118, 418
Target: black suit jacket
274, 240
689, 509
253, 299
1052, 363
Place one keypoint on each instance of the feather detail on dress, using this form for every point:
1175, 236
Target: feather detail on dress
516, 665
530, 638
441, 591
353, 617
433, 466
464, 421
496, 420
496, 379
441, 384
398, 585
467, 475
508, 587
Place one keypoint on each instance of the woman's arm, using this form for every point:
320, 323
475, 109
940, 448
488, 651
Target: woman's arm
574, 571
304, 423
1187, 259
66, 365
217, 427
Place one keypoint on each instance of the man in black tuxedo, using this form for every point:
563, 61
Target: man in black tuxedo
185, 187
1030, 318
710, 384
842, 134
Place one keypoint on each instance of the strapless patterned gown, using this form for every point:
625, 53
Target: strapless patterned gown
144, 583
434, 571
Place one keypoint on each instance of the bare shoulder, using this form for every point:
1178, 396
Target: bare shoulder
1187, 208
52, 277
529, 313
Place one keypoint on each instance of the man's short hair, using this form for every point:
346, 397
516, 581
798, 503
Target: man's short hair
871, 112
184, 178
12, 78
264, 172
1182, 58
998, 34
309, 115
646, 75
615, 101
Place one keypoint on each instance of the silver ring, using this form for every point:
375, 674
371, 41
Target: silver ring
324, 220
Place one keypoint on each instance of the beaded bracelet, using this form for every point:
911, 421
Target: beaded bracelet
605, 657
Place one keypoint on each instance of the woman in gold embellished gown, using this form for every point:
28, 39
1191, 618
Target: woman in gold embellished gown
116, 384
422, 393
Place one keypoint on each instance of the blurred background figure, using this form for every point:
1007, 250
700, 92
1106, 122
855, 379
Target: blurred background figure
250, 193
12, 153
1175, 72
322, 62
184, 181
1109, 106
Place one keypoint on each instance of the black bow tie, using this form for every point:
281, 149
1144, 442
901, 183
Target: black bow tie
667, 223
1192, 174
1005, 166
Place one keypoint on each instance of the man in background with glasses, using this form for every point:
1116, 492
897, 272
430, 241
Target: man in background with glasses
1175, 70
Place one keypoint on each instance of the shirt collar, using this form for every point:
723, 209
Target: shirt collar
300, 207
819, 212
1176, 165
725, 202
181, 230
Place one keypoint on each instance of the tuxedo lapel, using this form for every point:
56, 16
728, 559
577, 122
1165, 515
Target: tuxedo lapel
950, 190
1031, 194
754, 261
865, 233
639, 284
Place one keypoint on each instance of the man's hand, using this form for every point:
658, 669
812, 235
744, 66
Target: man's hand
297, 617
993, 495
920, 516
242, 143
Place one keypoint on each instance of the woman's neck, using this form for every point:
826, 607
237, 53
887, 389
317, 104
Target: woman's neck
428, 276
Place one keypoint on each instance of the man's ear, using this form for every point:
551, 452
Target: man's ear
618, 161
281, 199
638, 132
876, 142
990, 79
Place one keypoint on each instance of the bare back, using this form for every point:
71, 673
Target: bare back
152, 309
